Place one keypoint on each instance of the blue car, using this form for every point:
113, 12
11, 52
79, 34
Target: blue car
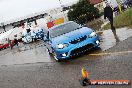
70, 39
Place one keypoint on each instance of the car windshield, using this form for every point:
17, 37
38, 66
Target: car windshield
66, 28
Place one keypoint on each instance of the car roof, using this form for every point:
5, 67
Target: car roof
60, 25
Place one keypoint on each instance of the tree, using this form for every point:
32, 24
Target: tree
82, 12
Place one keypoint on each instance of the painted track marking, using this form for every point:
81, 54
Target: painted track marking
111, 53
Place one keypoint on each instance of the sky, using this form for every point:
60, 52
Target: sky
12, 9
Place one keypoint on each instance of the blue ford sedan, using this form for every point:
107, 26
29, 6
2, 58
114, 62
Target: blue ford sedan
70, 39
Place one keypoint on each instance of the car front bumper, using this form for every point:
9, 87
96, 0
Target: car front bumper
75, 49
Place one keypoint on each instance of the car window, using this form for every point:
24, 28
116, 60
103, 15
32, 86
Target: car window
66, 28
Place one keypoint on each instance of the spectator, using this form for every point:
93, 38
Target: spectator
15, 42
108, 12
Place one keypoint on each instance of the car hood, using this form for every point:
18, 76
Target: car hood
66, 38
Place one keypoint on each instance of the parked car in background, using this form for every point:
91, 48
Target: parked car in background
70, 39
37, 33
32, 34
6, 45
26, 36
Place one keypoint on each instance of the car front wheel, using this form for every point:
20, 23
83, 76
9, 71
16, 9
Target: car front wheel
53, 54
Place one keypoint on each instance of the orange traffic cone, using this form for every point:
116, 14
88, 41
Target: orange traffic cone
84, 80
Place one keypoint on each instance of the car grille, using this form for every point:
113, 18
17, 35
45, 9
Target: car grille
75, 41
81, 49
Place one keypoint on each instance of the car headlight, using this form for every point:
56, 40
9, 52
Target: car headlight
61, 46
92, 34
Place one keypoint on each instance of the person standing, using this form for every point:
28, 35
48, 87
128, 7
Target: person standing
108, 13
15, 41
10, 43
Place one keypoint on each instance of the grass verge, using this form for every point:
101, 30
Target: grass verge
122, 20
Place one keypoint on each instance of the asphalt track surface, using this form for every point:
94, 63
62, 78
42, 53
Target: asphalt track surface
113, 63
